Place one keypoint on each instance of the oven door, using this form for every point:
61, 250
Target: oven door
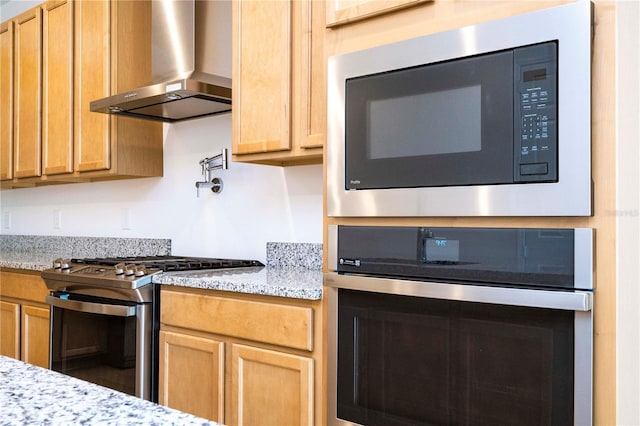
403, 352
103, 341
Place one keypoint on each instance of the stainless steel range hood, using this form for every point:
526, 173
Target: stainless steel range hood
191, 57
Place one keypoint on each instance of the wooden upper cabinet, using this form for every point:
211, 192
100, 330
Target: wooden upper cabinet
278, 81
262, 76
346, 11
92, 81
57, 87
27, 96
6, 100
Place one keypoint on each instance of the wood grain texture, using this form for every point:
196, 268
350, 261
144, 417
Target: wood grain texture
284, 325
6, 100
57, 82
27, 96
35, 335
261, 76
270, 388
192, 374
23, 286
10, 329
341, 12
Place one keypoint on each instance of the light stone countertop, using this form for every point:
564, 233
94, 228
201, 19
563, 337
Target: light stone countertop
269, 281
293, 270
32, 395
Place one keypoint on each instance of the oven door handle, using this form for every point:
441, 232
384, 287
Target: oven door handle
92, 308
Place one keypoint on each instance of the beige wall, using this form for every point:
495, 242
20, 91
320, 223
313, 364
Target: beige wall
445, 15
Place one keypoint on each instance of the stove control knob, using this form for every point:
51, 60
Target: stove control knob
140, 271
57, 264
119, 268
64, 264
129, 269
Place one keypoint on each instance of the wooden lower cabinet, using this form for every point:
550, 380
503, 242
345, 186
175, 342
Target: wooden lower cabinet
270, 387
185, 360
241, 359
10, 329
24, 318
34, 340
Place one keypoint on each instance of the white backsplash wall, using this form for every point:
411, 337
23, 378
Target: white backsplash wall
258, 204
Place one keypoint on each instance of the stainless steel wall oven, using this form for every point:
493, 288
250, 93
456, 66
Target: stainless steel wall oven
478, 326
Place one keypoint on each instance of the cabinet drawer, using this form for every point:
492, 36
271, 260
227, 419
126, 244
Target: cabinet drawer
23, 286
278, 324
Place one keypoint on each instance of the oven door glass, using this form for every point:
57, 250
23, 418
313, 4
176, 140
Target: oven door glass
96, 347
440, 124
408, 360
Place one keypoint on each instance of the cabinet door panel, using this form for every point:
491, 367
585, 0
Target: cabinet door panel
27, 95
310, 75
92, 79
35, 335
261, 76
6, 100
192, 375
345, 11
269, 387
10, 329
57, 82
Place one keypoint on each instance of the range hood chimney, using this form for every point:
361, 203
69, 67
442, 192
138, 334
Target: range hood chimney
191, 55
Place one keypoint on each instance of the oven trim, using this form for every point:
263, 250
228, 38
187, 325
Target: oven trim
579, 301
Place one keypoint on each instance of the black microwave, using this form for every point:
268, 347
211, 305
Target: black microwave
488, 120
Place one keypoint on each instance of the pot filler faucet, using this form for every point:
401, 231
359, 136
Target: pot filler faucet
208, 165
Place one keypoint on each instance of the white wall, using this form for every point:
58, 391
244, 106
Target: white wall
628, 213
258, 203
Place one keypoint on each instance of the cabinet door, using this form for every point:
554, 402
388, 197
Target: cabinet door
27, 96
6, 100
57, 83
10, 329
344, 11
270, 388
35, 335
192, 375
261, 76
309, 78
92, 81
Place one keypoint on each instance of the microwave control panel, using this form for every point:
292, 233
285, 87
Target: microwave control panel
535, 113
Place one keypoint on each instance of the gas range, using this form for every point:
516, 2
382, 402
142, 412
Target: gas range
126, 278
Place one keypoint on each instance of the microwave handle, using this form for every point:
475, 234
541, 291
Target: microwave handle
92, 308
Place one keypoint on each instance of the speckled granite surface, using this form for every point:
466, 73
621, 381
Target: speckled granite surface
293, 269
31, 395
36, 252
294, 256
270, 281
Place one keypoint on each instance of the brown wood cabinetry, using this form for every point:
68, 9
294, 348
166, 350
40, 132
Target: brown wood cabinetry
24, 317
222, 355
57, 87
59, 57
279, 98
27, 95
6, 100
346, 11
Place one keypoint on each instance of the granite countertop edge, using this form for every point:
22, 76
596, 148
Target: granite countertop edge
266, 281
